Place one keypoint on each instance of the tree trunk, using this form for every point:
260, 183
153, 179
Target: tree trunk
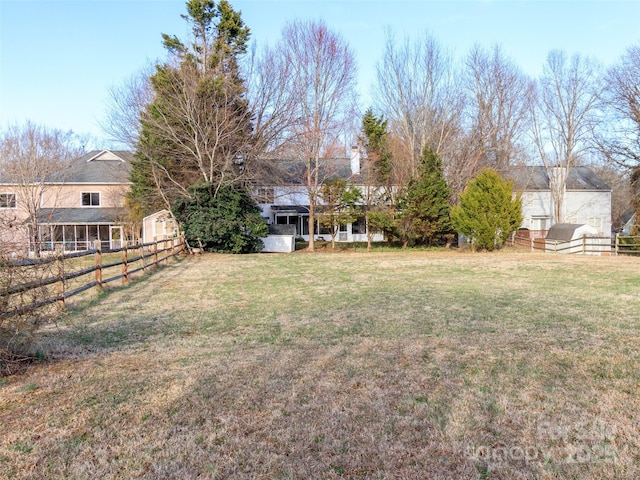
312, 222
366, 224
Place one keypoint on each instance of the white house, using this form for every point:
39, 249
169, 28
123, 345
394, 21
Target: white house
587, 199
287, 202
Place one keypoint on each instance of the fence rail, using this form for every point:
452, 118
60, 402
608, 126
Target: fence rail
64, 281
587, 245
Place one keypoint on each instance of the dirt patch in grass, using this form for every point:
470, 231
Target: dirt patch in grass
393, 365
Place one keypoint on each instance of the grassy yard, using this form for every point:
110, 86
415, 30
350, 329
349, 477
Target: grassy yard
392, 365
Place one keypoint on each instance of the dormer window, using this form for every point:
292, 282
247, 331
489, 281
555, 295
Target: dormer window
8, 200
90, 199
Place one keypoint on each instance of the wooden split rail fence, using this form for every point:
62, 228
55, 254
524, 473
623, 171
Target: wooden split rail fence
56, 280
616, 245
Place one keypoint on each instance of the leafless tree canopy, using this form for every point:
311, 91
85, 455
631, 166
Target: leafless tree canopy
564, 117
620, 137
125, 106
318, 72
499, 98
416, 91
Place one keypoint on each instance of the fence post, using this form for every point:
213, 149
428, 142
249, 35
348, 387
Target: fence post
617, 250
97, 246
60, 271
140, 248
584, 244
155, 253
125, 268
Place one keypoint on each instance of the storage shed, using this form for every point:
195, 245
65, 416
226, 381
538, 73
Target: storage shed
565, 232
576, 238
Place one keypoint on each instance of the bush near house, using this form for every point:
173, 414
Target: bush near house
488, 212
223, 219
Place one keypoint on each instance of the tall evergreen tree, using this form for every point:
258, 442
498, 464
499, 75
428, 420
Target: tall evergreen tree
424, 209
375, 138
378, 194
198, 128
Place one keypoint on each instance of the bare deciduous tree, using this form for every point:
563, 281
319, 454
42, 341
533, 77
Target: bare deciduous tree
564, 116
499, 103
321, 80
32, 160
417, 93
620, 140
125, 105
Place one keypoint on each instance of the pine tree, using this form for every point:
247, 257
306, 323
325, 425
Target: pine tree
488, 212
378, 194
198, 128
424, 209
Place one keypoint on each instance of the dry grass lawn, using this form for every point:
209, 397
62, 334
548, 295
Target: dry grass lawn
351, 365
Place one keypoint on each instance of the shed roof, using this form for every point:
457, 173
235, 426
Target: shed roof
565, 232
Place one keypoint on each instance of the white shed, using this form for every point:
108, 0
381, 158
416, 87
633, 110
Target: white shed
576, 238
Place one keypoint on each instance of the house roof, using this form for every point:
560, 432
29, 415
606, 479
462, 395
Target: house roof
536, 178
293, 171
66, 216
97, 166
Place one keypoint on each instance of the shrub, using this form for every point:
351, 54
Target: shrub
18, 323
488, 211
224, 220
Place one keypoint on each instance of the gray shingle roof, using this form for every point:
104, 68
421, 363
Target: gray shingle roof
67, 216
97, 166
536, 178
294, 172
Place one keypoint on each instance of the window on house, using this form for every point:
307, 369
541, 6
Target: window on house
8, 200
265, 195
359, 226
90, 199
595, 222
539, 223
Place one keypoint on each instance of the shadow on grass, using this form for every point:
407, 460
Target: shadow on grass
113, 318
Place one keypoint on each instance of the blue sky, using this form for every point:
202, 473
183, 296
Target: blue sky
59, 57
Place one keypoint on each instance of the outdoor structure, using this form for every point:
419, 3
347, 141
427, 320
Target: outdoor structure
286, 201
77, 205
586, 199
158, 226
576, 238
